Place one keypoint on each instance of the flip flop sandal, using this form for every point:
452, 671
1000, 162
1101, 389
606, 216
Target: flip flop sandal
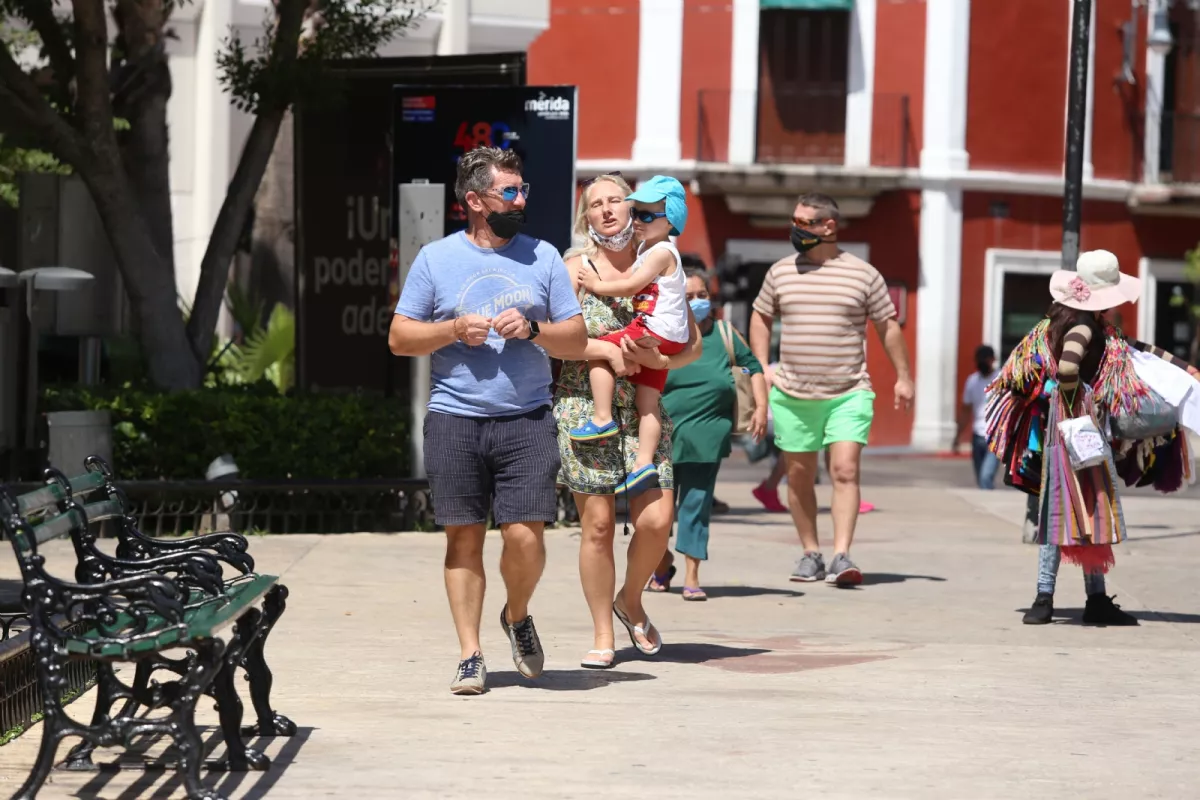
599, 663
637, 630
662, 584
694, 595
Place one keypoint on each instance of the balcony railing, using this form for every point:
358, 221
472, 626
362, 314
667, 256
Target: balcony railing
800, 127
1179, 149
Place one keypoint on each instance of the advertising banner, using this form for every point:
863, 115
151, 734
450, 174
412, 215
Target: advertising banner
435, 125
344, 186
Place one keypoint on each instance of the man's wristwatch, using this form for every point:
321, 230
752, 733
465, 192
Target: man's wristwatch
534, 329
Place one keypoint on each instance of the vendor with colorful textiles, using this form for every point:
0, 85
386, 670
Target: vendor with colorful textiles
1073, 385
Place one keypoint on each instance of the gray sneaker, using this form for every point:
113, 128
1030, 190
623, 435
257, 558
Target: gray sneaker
526, 647
843, 571
471, 676
810, 568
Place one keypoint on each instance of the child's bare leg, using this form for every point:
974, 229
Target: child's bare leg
604, 386
649, 424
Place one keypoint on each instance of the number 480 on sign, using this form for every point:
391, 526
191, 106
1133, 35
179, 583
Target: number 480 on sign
482, 134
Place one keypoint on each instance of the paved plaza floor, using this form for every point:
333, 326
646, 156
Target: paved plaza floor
921, 684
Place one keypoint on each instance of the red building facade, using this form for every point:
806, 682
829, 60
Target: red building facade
938, 125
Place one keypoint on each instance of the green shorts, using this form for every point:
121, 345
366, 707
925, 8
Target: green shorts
809, 426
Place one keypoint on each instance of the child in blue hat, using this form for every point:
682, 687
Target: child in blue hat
658, 287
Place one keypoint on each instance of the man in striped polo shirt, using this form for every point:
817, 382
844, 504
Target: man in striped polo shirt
821, 396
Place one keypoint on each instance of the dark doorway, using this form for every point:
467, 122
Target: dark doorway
1023, 303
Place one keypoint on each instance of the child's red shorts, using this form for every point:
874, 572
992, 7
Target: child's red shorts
654, 378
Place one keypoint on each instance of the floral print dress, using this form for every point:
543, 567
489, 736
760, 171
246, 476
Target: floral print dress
598, 467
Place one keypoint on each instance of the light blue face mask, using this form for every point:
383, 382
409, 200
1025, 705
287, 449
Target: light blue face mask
701, 307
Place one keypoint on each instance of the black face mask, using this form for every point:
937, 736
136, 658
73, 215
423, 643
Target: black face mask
984, 367
506, 224
804, 240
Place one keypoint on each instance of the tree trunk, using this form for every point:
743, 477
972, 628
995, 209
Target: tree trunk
144, 150
149, 280
272, 275
222, 244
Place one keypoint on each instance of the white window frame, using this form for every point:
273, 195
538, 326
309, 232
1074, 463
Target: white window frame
999, 262
1151, 271
771, 250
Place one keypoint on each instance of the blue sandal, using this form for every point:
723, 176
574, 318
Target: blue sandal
591, 432
638, 481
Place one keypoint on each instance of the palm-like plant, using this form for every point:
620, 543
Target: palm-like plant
258, 351
269, 351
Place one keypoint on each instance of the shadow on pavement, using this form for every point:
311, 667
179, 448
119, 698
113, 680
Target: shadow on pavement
880, 578
718, 592
566, 680
699, 653
258, 783
1074, 616
1139, 538
1166, 616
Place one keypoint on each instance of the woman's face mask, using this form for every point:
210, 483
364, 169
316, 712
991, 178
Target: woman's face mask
701, 308
618, 241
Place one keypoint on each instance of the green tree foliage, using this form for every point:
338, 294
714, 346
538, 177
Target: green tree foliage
89, 86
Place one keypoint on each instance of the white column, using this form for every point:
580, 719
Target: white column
1156, 67
861, 98
212, 155
454, 35
743, 98
937, 318
660, 72
947, 39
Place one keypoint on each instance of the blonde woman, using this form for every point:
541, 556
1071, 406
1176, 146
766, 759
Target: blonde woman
604, 243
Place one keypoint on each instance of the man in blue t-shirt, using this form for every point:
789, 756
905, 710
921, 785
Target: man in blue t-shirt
480, 303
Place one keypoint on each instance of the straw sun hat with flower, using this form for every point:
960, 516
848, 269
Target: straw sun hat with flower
1097, 284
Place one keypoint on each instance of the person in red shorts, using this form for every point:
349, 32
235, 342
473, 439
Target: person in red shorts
658, 287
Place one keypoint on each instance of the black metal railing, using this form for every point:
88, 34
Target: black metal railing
801, 126
181, 508
20, 697
1179, 147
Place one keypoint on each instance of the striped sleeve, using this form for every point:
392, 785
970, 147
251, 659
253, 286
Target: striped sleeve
767, 301
1075, 345
1170, 358
879, 302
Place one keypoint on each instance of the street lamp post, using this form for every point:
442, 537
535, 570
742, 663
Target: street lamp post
31, 284
1077, 89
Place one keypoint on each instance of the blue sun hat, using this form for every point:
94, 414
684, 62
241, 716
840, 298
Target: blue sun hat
663, 187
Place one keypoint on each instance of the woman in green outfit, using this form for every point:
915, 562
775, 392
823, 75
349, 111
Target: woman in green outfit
700, 399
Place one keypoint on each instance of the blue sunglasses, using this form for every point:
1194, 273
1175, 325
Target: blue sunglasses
649, 216
509, 193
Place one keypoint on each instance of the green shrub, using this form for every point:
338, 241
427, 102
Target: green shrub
271, 436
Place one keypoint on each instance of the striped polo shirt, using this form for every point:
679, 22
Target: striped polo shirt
824, 309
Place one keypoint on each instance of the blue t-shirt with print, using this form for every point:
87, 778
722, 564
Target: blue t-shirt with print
453, 277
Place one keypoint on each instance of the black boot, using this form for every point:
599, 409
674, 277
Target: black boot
1041, 611
1101, 610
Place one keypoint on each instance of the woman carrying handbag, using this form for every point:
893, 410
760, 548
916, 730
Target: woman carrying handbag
721, 393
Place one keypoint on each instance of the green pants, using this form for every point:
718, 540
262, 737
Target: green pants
694, 487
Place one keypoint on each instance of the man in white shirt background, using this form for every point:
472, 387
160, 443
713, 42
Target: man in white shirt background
972, 413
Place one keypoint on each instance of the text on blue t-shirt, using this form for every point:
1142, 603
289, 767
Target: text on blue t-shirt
453, 277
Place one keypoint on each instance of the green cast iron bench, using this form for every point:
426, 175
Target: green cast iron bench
139, 613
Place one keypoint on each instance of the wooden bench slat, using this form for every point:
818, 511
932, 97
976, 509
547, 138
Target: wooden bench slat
85, 484
58, 525
200, 621
104, 510
47, 496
